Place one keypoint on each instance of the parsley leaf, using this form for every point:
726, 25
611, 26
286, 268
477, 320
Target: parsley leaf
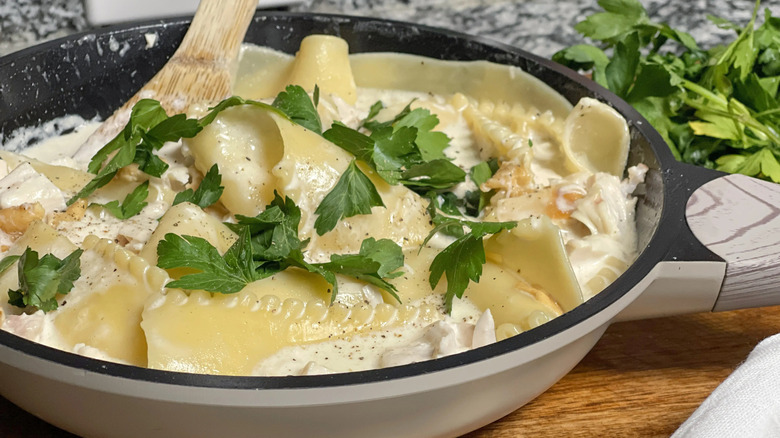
377, 260
274, 231
462, 260
431, 144
477, 200
225, 274
619, 18
403, 150
148, 162
442, 214
373, 125
207, 193
353, 194
585, 57
352, 141
145, 114
294, 101
761, 162
40, 280
7, 262
437, 174
621, 70
275, 240
392, 152
133, 203
372, 112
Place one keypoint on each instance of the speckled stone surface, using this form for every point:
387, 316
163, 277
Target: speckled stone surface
25, 22
539, 26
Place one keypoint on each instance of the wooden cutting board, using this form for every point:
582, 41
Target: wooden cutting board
643, 378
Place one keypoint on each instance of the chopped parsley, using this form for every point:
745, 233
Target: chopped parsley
133, 203
42, 279
207, 193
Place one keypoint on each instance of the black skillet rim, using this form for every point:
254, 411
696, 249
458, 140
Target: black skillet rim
658, 246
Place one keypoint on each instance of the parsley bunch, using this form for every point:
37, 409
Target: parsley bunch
716, 108
207, 193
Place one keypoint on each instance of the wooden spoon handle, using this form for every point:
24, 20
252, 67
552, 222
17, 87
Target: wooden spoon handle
217, 30
738, 218
201, 69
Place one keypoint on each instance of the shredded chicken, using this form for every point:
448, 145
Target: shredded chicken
15, 220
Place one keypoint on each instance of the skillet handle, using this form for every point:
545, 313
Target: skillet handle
738, 218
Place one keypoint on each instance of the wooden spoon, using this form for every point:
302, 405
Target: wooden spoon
201, 69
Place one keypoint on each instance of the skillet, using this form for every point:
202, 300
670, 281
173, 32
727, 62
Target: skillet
674, 272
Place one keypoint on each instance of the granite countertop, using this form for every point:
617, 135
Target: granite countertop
538, 26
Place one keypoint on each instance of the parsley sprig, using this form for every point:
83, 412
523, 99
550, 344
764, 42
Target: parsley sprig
207, 193
133, 203
268, 243
353, 194
404, 150
42, 279
715, 108
227, 273
149, 127
461, 261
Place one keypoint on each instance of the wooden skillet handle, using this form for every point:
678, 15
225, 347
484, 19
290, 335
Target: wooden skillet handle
738, 218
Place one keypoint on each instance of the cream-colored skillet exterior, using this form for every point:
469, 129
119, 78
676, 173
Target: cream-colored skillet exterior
483, 81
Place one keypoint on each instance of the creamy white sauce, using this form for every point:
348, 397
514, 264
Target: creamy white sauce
23, 185
132, 232
60, 149
27, 138
383, 348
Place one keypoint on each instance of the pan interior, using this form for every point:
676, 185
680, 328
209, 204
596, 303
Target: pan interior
80, 75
